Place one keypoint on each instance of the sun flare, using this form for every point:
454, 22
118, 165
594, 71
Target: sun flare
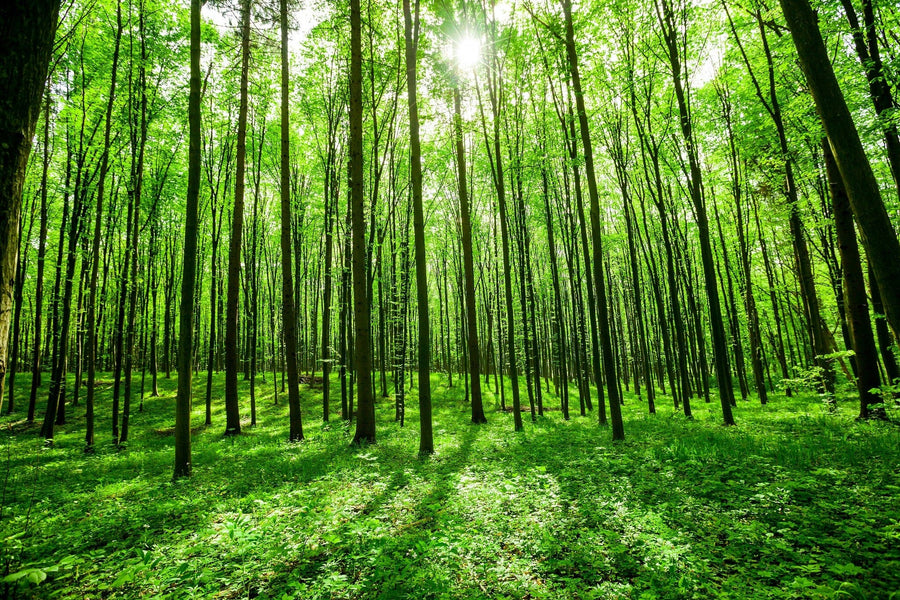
468, 52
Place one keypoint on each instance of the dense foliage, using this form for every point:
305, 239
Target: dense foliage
657, 216
795, 503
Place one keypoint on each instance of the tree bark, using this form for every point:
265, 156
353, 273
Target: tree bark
863, 340
183, 464
878, 236
288, 314
365, 422
232, 349
27, 30
411, 35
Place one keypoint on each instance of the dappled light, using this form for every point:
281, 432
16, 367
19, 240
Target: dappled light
526, 299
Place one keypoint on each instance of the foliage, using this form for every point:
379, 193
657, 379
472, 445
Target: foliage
796, 502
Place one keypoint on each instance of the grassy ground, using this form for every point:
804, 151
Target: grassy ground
794, 502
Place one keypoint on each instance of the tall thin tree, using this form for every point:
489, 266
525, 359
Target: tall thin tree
287, 295
183, 464
362, 313
411, 33
232, 348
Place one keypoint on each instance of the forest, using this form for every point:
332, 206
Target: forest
449, 299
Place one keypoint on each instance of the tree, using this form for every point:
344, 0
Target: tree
27, 31
609, 365
411, 37
95, 244
670, 34
232, 361
362, 314
862, 338
878, 235
288, 314
183, 465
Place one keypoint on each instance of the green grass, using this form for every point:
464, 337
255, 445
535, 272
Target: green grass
794, 502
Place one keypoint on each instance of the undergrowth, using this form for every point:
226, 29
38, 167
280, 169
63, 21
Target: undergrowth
794, 502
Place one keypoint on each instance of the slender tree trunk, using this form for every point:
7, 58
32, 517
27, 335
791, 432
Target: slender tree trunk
287, 295
39, 280
232, 350
695, 184
331, 198
864, 348
473, 351
16, 332
620, 158
138, 185
183, 465
727, 281
590, 355
55, 413
615, 409
496, 157
365, 422
411, 34
91, 343
746, 280
865, 39
559, 329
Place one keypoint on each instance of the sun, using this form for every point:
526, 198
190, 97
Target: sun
468, 52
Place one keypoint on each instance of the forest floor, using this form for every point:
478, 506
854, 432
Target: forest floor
794, 502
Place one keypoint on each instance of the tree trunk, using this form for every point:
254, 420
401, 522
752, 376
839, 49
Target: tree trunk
365, 422
27, 31
615, 409
878, 236
471, 323
855, 289
288, 314
183, 464
411, 34
91, 344
232, 349
695, 184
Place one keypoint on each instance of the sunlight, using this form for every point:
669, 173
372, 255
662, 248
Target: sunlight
502, 12
468, 52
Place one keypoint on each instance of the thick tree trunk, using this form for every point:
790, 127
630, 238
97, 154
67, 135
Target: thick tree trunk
27, 31
878, 236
